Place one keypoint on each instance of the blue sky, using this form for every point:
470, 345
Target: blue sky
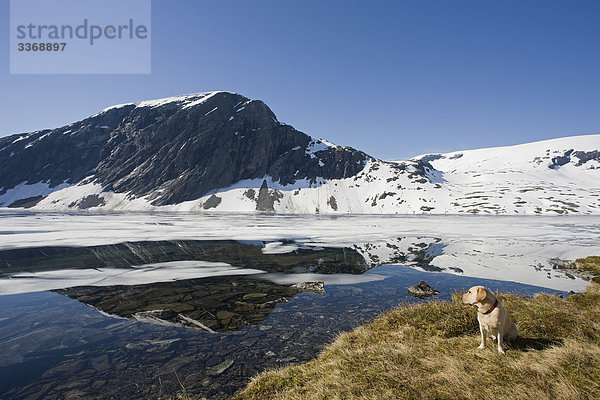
392, 78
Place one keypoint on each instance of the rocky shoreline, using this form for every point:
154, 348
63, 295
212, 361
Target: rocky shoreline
575, 268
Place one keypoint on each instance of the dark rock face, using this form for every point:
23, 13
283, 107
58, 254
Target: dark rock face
559, 161
267, 198
27, 202
585, 156
174, 151
90, 201
332, 203
582, 158
69, 153
212, 202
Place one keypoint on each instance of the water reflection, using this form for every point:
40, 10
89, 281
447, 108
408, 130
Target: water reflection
54, 347
137, 263
212, 304
284, 256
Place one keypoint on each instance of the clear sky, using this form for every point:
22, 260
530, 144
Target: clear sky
392, 78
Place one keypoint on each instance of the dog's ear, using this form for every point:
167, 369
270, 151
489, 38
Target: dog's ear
481, 294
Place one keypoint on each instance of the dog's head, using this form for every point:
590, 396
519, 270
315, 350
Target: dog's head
477, 294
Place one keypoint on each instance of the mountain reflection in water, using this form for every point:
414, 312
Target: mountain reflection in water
211, 304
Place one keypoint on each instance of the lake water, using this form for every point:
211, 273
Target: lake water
137, 305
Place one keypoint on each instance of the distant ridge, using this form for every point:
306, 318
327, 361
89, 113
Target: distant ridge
220, 151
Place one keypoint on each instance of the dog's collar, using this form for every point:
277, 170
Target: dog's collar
491, 309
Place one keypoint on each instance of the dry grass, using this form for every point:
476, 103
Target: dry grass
429, 351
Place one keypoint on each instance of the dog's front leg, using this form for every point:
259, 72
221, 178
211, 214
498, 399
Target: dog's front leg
483, 336
501, 341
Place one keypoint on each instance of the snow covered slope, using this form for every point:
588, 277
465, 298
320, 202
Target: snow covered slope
560, 176
219, 151
555, 176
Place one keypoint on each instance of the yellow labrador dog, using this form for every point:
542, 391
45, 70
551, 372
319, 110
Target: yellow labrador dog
494, 320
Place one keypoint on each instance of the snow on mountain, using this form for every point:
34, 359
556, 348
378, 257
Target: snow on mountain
223, 152
524, 179
186, 100
26, 191
555, 176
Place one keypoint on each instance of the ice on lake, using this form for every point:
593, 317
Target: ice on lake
507, 248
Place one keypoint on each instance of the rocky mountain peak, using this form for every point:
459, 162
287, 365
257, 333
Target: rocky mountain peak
173, 150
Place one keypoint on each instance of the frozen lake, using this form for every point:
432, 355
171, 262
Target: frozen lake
94, 305
510, 248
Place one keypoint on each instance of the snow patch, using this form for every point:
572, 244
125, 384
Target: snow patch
189, 100
205, 97
25, 190
23, 137
214, 109
318, 145
279, 248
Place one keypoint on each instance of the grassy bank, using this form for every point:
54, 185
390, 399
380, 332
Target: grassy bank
429, 351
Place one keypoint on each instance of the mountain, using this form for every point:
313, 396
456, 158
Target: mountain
220, 151
557, 176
